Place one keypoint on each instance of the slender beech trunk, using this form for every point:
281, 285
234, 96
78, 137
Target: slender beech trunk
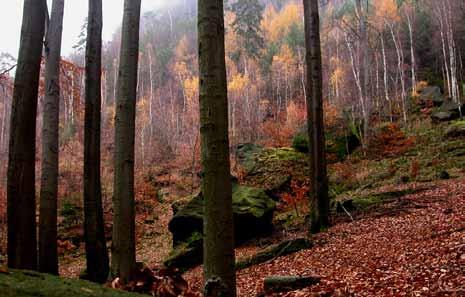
123, 260
319, 180
400, 63
363, 61
412, 55
48, 254
96, 248
385, 78
216, 178
150, 49
446, 65
22, 234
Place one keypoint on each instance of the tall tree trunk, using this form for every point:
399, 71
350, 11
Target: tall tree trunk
123, 258
385, 78
363, 61
216, 179
22, 234
319, 180
96, 249
412, 55
48, 254
150, 49
400, 63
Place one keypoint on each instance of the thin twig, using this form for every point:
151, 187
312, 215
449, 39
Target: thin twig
7, 70
348, 213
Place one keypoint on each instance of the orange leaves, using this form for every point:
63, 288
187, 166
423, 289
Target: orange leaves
386, 11
390, 140
296, 116
414, 169
238, 83
345, 172
145, 189
276, 134
276, 26
65, 246
297, 196
332, 115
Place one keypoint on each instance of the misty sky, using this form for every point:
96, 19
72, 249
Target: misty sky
75, 13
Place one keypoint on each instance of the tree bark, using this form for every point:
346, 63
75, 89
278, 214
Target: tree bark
48, 254
22, 234
216, 178
96, 249
319, 180
124, 248
363, 61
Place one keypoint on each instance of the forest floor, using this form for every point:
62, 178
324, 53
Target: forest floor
411, 243
412, 246
406, 236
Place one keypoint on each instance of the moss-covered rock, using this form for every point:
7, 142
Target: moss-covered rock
455, 130
338, 145
16, 283
366, 201
245, 155
187, 254
443, 116
431, 94
274, 168
253, 213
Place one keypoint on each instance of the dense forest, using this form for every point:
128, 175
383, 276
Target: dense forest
294, 148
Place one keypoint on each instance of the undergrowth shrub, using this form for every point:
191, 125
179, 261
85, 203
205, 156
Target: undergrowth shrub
300, 143
389, 140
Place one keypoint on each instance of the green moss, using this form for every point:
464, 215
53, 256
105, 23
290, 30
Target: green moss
300, 143
32, 284
246, 154
71, 214
366, 201
281, 154
187, 254
254, 201
458, 124
248, 200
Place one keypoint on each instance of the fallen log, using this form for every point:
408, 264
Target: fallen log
280, 283
272, 252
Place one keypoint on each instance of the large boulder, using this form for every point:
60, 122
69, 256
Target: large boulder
448, 111
272, 169
253, 214
443, 116
338, 145
187, 254
431, 94
245, 154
